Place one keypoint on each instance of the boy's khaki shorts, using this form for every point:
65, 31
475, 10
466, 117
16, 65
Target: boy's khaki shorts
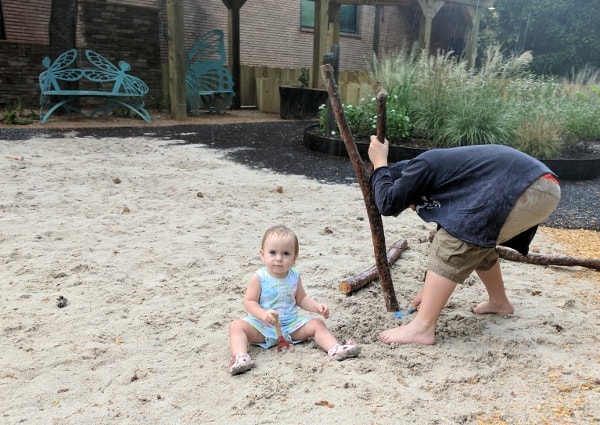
455, 259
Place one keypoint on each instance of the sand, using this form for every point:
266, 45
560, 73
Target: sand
152, 244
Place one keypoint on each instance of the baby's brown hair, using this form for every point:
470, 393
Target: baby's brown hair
281, 230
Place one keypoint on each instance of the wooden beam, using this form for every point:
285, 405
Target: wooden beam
347, 286
377, 2
430, 8
320, 43
234, 41
233, 4
234, 54
176, 59
474, 3
472, 34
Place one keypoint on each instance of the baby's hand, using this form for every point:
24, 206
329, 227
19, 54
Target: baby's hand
323, 310
270, 316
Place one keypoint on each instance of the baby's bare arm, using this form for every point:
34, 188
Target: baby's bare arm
307, 303
251, 302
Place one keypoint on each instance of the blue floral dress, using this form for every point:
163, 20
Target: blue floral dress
280, 295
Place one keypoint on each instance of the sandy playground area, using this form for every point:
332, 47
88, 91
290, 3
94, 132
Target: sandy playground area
152, 243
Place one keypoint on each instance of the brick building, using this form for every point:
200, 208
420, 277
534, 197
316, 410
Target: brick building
273, 33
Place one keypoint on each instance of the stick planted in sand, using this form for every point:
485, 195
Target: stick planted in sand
375, 221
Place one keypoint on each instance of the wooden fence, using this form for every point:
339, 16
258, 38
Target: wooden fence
260, 86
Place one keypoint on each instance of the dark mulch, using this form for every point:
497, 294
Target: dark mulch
278, 146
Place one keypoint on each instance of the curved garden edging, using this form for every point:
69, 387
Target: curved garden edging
566, 169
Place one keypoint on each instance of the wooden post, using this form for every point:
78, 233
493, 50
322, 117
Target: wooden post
375, 221
320, 38
233, 7
176, 60
430, 8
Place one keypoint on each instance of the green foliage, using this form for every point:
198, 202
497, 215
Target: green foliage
395, 75
455, 106
438, 101
537, 134
561, 34
362, 119
304, 78
581, 123
14, 115
475, 120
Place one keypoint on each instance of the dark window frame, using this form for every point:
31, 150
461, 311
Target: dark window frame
343, 29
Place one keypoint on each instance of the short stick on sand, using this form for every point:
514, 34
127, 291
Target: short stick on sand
375, 221
362, 279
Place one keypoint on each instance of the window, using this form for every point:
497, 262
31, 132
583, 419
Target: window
348, 16
2, 32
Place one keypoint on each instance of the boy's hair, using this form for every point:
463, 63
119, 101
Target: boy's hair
281, 230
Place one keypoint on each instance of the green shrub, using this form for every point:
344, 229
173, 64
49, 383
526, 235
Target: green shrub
14, 114
362, 119
538, 135
440, 101
475, 120
580, 109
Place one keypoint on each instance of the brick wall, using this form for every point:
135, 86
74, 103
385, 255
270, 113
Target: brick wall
20, 65
116, 30
136, 31
123, 32
270, 32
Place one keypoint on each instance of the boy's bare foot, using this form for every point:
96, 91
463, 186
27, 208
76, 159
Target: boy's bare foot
489, 307
407, 335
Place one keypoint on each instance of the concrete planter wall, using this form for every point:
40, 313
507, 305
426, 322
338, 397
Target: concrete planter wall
566, 169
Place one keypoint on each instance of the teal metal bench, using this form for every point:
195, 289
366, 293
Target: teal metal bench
208, 82
103, 80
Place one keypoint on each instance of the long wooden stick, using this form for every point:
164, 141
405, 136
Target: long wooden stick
381, 100
381, 103
362, 279
548, 260
541, 259
375, 221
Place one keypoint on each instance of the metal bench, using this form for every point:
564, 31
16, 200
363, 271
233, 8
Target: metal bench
103, 79
208, 82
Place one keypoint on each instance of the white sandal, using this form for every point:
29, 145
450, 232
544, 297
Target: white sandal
342, 352
240, 364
